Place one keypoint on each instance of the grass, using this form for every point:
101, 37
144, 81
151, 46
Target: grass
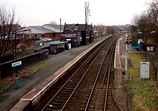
99, 38
144, 97
9, 81
136, 59
37, 67
4, 87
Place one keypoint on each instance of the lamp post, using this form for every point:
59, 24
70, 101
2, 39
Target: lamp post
15, 62
60, 28
15, 59
152, 32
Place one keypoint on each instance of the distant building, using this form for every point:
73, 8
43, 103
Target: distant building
57, 29
99, 31
46, 31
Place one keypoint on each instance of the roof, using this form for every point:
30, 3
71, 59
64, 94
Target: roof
57, 43
47, 28
39, 29
43, 29
55, 28
69, 32
50, 28
77, 27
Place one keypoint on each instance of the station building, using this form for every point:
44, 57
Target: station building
77, 34
46, 31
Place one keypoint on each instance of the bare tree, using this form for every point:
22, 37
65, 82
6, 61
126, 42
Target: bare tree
110, 30
53, 22
135, 20
153, 21
8, 27
153, 13
147, 23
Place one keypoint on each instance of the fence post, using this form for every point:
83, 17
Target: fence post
157, 73
0, 76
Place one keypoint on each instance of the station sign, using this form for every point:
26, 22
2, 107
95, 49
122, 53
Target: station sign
68, 35
15, 64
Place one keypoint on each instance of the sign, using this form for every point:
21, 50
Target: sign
15, 64
68, 35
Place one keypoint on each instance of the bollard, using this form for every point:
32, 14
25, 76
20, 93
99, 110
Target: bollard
17, 83
71, 52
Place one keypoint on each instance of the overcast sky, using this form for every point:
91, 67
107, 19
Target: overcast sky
106, 12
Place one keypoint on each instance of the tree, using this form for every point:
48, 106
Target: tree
153, 22
147, 23
8, 27
53, 22
110, 30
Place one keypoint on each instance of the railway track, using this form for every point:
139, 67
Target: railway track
88, 86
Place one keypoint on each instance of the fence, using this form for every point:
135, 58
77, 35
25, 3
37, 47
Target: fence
6, 68
153, 60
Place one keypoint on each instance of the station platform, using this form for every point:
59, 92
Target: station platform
11, 96
120, 67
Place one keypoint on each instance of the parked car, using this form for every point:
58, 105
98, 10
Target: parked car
41, 41
46, 39
21, 47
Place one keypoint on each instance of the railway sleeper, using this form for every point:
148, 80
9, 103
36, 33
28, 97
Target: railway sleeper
91, 106
82, 108
53, 108
64, 98
99, 87
64, 93
55, 101
84, 102
110, 88
55, 105
87, 95
98, 107
71, 85
60, 100
69, 88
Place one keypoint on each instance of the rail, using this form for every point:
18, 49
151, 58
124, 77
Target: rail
81, 89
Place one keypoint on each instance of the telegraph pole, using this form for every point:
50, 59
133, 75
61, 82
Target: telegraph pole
60, 27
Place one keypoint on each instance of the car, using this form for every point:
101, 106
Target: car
46, 39
39, 42
21, 47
